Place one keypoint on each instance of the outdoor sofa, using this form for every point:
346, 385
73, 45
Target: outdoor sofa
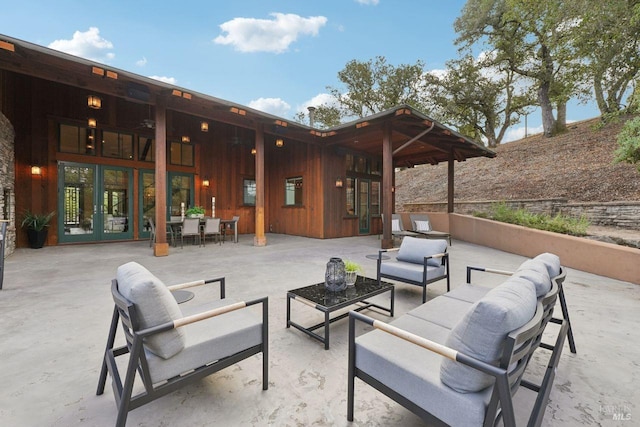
460, 358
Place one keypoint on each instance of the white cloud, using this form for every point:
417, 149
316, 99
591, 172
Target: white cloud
368, 2
141, 62
87, 45
268, 35
316, 101
275, 106
170, 80
514, 134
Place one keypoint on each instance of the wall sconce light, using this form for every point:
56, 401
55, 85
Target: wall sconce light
205, 182
253, 151
92, 123
186, 139
36, 170
204, 126
338, 182
94, 102
279, 142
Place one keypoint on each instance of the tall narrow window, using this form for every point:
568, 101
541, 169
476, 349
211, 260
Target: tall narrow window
351, 196
249, 192
293, 191
375, 198
181, 154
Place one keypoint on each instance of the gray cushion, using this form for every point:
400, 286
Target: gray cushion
412, 371
467, 292
552, 263
421, 225
410, 271
536, 272
482, 331
395, 225
414, 250
442, 311
154, 304
209, 340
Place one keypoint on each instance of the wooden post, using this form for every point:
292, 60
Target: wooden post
260, 239
387, 186
450, 182
161, 247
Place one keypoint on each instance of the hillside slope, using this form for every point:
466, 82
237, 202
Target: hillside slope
577, 165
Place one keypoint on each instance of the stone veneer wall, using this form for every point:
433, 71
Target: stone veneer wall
7, 182
610, 214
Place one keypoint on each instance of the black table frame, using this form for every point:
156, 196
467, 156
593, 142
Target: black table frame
362, 299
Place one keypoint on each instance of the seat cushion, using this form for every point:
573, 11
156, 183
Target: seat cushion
410, 271
413, 372
481, 332
413, 249
552, 262
210, 340
154, 305
467, 292
536, 272
442, 311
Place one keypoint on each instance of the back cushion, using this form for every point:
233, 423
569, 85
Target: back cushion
552, 262
535, 271
422, 225
413, 249
154, 304
481, 332
395, 225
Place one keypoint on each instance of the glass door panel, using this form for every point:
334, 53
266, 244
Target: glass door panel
77, 204
147, 202
363, 206
116, 203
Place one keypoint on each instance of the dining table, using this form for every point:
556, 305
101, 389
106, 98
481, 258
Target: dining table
233, 223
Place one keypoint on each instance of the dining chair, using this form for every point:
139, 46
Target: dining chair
190, 228
152, 233
211, 227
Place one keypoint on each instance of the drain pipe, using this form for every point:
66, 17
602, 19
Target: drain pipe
414, 139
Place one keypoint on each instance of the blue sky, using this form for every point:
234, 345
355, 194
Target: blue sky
276, 56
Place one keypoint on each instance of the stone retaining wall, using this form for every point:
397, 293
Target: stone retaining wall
609, 214
7, 182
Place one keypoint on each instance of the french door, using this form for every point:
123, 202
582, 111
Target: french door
364, 218
95, 202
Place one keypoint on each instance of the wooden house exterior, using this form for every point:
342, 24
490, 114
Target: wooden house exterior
150, 150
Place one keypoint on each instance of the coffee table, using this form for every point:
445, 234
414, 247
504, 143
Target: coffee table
318, 297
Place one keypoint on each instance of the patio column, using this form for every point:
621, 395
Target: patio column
260, 239
387, 186
161, 247
450, 182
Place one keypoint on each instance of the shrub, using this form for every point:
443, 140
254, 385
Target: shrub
557, 224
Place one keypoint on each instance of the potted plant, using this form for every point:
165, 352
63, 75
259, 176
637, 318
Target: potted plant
195, 212
37, 226
351, 269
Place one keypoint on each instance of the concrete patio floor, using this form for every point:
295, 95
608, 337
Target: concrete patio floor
56, 306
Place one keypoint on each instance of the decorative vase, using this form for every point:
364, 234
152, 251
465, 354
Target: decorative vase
351, 277
334, 277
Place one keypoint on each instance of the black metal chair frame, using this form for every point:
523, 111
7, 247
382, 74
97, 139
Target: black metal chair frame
125, 311
517, 349
425, 279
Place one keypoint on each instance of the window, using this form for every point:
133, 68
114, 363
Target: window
375, 198
146, 149
293, 191
75, 139
181, 154
249, 192
351, 196
117, 145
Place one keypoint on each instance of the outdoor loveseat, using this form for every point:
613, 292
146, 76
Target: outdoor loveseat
460, 358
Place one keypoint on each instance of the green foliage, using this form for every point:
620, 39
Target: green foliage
557, 224
629, 143
36, 222
195, 210
352, 266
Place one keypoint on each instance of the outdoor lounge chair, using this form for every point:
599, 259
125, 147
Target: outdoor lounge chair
398, 229
422, 225
419, 262
169, 348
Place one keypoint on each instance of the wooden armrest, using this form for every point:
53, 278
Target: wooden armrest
381, 251
208, 314
417, 340
441, 255
486, 270
195, 283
